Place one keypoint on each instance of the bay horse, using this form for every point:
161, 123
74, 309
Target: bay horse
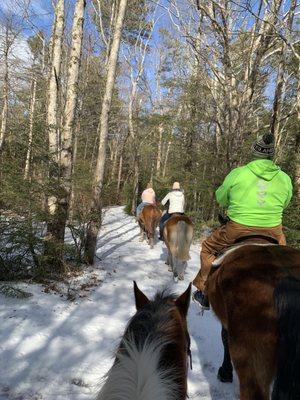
178, 234
148, 221
151, 360
254, 290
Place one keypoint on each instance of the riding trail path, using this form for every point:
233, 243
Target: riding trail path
58, 343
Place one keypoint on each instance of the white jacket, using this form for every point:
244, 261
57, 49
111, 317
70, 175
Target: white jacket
176, 199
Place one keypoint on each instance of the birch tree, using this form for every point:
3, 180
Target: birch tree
68, 131
63, 158
4, 112
52, 118
96, 206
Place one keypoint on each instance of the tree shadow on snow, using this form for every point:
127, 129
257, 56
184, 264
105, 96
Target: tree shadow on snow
108, 252
111, 238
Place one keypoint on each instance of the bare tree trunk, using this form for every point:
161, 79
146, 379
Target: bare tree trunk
297, 143
280, 86
57, 40
135, 191
96, 206
166, 159
31, 123
53, 88
135, 148
115, 159
58, 222
77, 131
159, 150
119, 176
5, 95
68, 139
75, 149
278, 97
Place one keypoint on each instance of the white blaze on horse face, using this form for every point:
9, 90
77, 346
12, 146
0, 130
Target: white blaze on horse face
136, 376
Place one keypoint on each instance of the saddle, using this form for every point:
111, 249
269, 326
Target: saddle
256, 238
247, 239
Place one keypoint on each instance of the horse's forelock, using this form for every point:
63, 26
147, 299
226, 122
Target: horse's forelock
160, 317
154, 346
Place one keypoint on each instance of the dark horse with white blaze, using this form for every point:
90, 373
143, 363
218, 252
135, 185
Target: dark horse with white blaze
151, 360
148, 221
178, 235
255, 292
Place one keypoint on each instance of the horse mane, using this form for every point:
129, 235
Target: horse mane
138, 368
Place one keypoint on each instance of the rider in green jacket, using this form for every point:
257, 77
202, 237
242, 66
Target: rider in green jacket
255, 196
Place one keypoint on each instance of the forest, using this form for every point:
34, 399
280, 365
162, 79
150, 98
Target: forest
100, 97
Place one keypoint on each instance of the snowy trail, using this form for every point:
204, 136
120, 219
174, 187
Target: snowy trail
51, 348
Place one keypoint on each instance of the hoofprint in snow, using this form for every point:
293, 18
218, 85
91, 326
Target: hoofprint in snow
53, 348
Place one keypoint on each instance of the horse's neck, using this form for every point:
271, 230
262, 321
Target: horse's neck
135, 376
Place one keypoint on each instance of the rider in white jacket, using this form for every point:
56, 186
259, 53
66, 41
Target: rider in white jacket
176, 205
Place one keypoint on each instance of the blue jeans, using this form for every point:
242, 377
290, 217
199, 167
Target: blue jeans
163, 220
140, 207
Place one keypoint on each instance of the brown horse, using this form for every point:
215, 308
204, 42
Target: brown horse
151, 360
148, 221
178, 235
255, 292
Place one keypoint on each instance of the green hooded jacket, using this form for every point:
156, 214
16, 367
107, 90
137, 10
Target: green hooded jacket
256, 194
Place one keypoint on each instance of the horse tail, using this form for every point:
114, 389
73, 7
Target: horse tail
184, 239
287, 299
150, 223
155, 221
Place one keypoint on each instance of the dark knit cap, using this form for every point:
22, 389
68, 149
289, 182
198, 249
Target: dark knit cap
264, 147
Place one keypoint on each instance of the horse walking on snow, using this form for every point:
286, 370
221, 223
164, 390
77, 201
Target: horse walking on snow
152, 359
178, 235
148, 221
255, 292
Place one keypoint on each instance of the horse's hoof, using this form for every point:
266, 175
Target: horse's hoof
170, 269
225, 376
175, 277
152, 247
181, 277
167, 263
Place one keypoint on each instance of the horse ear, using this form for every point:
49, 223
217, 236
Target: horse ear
183, 301
140, 298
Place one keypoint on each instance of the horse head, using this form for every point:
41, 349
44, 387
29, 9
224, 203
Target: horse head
151, 360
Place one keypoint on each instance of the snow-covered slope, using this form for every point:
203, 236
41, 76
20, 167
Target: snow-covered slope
51, 348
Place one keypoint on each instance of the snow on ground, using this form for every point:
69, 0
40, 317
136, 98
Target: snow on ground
51, 348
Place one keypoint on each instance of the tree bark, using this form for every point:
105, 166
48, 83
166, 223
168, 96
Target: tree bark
52, 106
53, 88
31, 124
57, 225
159, 149
166, 159
119, 176
5, 94
297, 143
66, 159
278, 97
96, 206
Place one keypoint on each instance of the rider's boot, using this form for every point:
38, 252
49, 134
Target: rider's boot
161, 237
201, 299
